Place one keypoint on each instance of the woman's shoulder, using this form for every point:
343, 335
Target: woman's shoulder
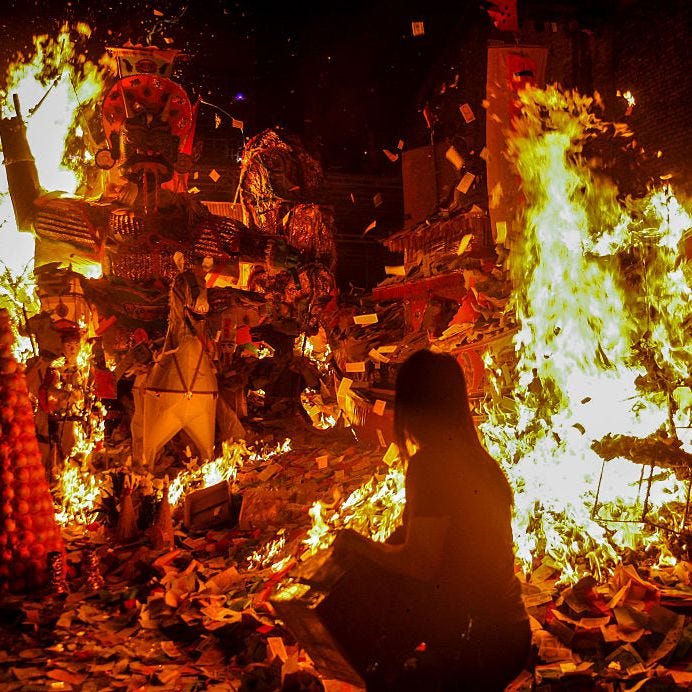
468, 466
422, 469
422, 460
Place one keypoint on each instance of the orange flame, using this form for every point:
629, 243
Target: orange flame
57, 88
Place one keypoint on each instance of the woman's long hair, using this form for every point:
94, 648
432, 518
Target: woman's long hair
432, 408
431, 404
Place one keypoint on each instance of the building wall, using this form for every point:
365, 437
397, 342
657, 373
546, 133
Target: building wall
635, 45
361, 259
651, 56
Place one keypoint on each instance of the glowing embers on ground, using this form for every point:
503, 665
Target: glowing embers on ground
374, 509
270, 554
224, 468
602, 296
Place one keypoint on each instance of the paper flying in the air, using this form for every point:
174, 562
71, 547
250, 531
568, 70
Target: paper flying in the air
455, 158
418, 28
464, 243
371, 225
363, 320
467, 113
355, 366
377, 356
344, 387
391, 454
398, 270
466, 182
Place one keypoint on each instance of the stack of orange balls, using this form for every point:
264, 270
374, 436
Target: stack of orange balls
28, 530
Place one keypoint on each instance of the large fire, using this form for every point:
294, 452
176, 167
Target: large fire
601, 298
78, 489
374, 509
57, 87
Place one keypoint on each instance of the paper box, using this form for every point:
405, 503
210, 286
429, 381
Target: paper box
304, 622
208, 507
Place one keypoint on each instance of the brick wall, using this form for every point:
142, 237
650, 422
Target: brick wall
636, 45
651, 56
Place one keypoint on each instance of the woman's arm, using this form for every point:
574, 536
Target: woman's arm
419, 556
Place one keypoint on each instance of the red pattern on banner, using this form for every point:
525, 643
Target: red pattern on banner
521, 72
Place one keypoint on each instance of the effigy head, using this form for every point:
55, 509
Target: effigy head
147, 148
147, 117
71, 340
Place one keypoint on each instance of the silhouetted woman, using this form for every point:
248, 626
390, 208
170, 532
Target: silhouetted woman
443, 609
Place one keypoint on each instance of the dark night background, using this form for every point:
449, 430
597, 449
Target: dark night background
352, 80
348, 76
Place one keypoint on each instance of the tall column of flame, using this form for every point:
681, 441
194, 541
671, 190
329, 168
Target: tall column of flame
56, 86
577, 369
